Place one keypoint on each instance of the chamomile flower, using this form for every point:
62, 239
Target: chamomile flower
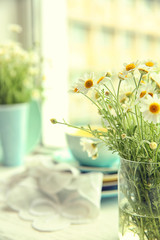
103, 78
143, 69
150, 108
155, 77
123, 135
86, 83
74, 89
131, 67
90, 146
122, 76
128, 106
149, 63
95, 95
146, 67
126, 91
145, 90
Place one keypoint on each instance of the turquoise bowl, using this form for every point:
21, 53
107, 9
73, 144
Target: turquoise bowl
106, 158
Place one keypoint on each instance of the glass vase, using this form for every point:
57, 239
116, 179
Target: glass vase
139, 200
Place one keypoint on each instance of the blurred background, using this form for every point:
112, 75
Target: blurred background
78, 36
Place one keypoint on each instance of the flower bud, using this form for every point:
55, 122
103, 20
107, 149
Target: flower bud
153, 145
108, 74
53, 120
123, 136
107, 93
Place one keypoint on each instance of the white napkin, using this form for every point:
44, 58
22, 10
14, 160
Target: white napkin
53, 195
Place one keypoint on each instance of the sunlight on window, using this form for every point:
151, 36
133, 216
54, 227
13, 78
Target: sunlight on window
54, 50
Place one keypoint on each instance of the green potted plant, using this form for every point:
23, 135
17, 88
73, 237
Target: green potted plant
19, 71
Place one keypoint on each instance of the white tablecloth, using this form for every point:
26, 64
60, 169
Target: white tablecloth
105, 227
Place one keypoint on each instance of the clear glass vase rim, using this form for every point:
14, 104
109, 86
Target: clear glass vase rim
137, 162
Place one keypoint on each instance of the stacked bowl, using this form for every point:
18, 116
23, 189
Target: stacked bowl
106, 162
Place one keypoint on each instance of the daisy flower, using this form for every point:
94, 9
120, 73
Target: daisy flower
150, 108
149, 63
143, 69
126, 91
95, 95
146, 66
122, 76
90, 146
103, 78
155, 77
74, 89
123, 135
145, 90
86, 83
128, 106
131, 67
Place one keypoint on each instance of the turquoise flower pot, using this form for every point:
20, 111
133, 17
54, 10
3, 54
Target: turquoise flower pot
13, 133
20, 131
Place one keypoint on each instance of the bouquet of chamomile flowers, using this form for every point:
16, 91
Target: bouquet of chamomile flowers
130, 114
130, 111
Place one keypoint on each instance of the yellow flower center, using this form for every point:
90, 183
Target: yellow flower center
88, 83
101, 78
149, 64
154, 108
142, 94
75, 90
130, 66
151, 94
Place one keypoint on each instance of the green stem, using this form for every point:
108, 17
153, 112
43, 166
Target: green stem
139, 128
84, 129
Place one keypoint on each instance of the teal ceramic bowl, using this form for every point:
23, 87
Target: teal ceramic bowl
105, 157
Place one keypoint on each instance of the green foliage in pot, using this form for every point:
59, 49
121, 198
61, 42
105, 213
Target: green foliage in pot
19, 71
